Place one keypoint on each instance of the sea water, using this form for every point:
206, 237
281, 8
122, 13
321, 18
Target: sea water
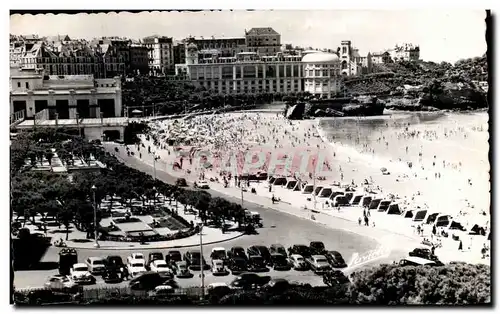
447, 148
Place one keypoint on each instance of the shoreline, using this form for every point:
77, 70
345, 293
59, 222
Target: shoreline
352, 166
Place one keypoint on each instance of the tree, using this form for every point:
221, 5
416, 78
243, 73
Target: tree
65, 216
450, 284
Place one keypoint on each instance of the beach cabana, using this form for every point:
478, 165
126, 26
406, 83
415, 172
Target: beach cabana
280, 181
374, 203
356, 199
340, 200
349, 196
407, 213
442, 220
308, 189
365, 202
299, 186
420, 215
431, 218
383, 205
291, 183
317, 190
325, 192
393, 209
336, 193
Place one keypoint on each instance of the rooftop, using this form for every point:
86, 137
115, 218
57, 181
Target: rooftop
321, 57
256, 31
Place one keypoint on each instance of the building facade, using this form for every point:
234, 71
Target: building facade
406, 52
381, 57
64, 97
160, 53
322, 74
247, 72
265, 41
139, 58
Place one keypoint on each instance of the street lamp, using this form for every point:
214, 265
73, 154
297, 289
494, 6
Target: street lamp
154, 195
200, 226
93, 188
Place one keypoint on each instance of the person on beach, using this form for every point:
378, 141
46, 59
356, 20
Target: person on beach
366, 221
460, 246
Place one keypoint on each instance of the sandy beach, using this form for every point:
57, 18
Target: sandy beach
428, 184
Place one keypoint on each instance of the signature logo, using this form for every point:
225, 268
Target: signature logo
358, 260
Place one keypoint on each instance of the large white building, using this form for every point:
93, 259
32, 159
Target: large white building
322, 74
64, 96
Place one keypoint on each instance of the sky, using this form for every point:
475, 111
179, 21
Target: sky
443, 35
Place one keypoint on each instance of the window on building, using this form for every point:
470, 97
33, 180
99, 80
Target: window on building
27, 85
19, 84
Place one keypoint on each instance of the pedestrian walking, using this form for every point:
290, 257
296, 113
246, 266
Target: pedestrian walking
460, 246
366, 221
359, 221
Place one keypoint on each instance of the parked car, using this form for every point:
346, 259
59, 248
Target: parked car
153, 256
96, 265
136, 267
256, 263
237, 251
335, 259
280, 262
298, 262
219, 253
114, 261
249, 281
136, 257
334, 278
262, 251
173, 257
161, 291
278, 248
150, 280
181, 270
317, 247
276, 285
426, 254
60, 282
112, 275
237, 265
194, 260
318, 264
160, 266
201, 184
300, 249
218, 268
80, 274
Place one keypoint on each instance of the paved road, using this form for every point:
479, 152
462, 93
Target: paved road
278, 227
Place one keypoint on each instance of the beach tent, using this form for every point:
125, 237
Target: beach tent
356, 199
383, 205
335, 194
393, 209
325, 192
317, 190
349, 196
374, 203
307, 189
431, 218
280, 181
419, 215
407, 213
290, 183
365, 202
442, 220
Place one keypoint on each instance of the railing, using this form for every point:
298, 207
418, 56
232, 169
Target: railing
42, 115
17, 117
